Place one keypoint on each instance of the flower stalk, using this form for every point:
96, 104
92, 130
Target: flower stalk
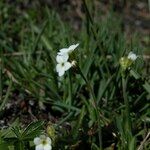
126, 102
94, 105
125, 63
64, 63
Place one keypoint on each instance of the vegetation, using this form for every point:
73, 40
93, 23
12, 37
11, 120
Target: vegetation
96, 104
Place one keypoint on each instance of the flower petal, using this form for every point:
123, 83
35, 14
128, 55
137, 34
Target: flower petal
37, 141
39, 147
63, 50
132, 56
58, 67
47, 147
61, 73
73, 47
48, 140
67, 66
65, 57
59, 59
42, 137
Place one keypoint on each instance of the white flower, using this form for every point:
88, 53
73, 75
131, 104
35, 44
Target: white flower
68, 50
132, 56
42, 143
62, 59
62, 64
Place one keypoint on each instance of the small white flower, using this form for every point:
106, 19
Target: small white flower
132, 56
62, 64
62, 59
68, 50
43, 143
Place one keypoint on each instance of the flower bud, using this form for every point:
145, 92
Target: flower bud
125, 63
51, 131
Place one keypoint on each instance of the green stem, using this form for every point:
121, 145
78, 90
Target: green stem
19, 145
70, 89
5, 100
126, 101
94, 105
1, 68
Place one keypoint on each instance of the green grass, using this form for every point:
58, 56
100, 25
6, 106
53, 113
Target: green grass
29, 42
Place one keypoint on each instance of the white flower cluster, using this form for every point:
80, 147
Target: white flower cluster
127, 61
42, 143
132, 56
62, 59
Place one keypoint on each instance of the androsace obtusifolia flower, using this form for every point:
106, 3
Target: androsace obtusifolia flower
42, 143
127, 61
62, 64
132, 56
63, 61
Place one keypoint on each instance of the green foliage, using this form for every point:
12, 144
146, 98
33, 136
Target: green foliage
19, 138
28, 47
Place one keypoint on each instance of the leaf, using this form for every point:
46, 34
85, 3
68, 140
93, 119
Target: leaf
132, 144
135, 74
6, 96
32, 130
4, 146
147, 87
16, 132
79, 122
94, 147
103, 88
